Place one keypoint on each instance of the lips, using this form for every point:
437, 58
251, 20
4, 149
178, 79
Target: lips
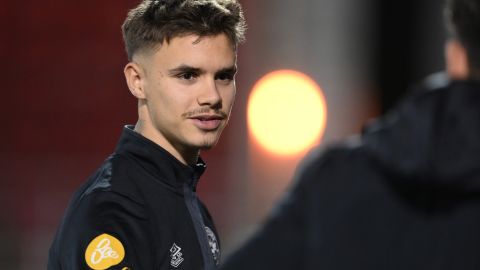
207, 122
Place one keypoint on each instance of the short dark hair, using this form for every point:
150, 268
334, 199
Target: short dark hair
463, 20
154, 21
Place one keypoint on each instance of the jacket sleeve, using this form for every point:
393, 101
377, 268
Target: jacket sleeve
105, 230
280, 243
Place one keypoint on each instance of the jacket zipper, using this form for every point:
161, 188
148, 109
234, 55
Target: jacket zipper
191, 201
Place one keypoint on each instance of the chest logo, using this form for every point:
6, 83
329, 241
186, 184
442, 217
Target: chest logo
213, 243
103, 252
175, 255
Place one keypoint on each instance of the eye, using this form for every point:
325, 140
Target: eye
187, 76
225, 77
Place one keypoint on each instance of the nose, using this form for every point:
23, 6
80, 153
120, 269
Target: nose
209, 95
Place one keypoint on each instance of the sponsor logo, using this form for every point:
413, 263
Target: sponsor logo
213, 243
176, 255
103, 252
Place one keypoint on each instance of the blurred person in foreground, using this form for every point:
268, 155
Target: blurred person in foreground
140, 209
403, 195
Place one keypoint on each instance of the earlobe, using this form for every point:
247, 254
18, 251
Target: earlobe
134, 77
457, 60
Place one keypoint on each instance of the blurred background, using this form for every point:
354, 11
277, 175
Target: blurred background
65, 101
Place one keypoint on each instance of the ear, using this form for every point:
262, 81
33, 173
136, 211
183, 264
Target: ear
135, 76
457, 61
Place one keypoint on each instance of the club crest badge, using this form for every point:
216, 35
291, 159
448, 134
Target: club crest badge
214, 246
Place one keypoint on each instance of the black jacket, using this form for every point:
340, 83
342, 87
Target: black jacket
139, 211
403, 195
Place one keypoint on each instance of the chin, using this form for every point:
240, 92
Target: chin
206, 140
208, 143
206, 147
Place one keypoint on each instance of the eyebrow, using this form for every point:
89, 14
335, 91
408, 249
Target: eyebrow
184, 69
228, 70
189, 69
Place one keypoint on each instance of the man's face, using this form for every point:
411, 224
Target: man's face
189, 91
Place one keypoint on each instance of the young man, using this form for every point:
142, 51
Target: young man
140, 209
403, 195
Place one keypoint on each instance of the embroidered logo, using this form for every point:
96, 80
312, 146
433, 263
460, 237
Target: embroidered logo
175, 255
104, 251
214, 246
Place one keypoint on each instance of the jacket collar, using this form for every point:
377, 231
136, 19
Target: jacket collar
157, 161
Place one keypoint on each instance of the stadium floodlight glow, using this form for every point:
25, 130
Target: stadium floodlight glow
287, 112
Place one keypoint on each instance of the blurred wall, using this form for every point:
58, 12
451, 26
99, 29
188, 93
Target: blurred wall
329, 41
64, 104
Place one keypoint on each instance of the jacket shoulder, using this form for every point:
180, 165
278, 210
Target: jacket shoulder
118, 175
108, 203
101, 214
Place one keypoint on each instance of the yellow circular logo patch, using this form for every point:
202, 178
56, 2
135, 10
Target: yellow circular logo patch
103, 252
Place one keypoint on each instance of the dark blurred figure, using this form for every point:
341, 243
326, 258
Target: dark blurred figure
403, 195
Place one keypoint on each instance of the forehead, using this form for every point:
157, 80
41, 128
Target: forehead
196, 51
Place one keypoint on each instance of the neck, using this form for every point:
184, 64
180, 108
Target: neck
183, 154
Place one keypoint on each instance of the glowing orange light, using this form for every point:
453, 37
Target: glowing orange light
286, 112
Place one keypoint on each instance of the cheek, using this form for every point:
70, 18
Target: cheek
229, 97
169, 98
